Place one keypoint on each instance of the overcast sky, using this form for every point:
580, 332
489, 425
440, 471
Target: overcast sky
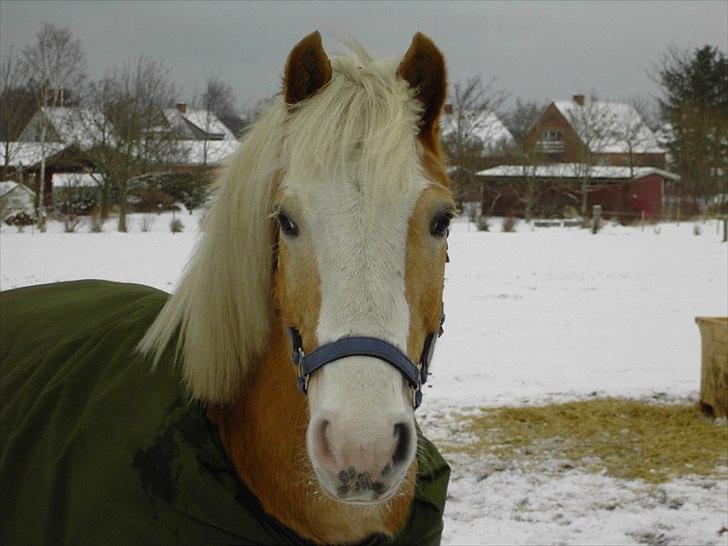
535, 50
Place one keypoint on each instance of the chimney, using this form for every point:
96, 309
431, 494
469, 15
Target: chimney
448, 109
182, 107
578, 99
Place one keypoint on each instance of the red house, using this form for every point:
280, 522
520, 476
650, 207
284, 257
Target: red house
597, 132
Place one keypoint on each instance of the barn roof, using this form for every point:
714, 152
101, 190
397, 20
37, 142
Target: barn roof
573, 170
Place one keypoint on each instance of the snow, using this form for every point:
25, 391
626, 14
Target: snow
539, 315
192, 152
6, 186
83, 126
518, 506
65, 180
26, 154
204, 120
574, 170
618, 124
15, 197
483, 126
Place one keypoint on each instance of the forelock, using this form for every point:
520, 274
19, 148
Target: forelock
363, 123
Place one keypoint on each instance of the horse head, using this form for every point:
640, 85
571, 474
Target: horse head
330, 222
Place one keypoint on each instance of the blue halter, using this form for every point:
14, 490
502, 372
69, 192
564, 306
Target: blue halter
416, 374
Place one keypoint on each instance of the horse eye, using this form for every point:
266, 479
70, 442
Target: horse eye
440, 224
287, 226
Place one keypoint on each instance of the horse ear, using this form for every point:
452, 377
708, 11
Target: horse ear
308, 69
423, 67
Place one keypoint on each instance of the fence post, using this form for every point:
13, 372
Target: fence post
596, 218
725, 229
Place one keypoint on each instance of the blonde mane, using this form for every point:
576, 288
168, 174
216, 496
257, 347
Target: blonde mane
365, 121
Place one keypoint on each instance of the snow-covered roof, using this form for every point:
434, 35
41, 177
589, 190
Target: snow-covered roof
6, 186
192, 152
573, 170
609, 127
202, 120
26, 154
665, 134
83, 126
73, 180
484, 126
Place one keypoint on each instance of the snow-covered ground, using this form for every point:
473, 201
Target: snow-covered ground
540, 315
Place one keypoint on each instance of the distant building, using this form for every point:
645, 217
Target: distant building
203, 139
473, 140
198, 140
610, 133
196, 124
69, 125
15, 197
621, 191
483, 130
71, 134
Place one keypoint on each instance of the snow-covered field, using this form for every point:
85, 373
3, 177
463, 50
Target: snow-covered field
550, 314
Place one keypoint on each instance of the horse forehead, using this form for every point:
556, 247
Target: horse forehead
349, 197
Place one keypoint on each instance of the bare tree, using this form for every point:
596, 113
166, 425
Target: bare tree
218, 101
594, 124
130, 131
468, 127
633, 133
16, 104
56, 62
251, 112
649, 111
219, 97
98, 101
528, 188
522, 116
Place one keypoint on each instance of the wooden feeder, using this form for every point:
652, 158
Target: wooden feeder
714, 366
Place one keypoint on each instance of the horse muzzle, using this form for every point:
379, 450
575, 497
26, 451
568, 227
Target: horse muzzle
357, 462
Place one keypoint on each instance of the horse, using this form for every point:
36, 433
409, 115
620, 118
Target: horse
285, 368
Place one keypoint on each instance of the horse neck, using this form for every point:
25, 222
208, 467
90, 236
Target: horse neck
264, 433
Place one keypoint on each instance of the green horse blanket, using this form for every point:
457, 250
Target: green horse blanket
96, 448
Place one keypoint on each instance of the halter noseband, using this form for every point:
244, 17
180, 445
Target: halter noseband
416, 374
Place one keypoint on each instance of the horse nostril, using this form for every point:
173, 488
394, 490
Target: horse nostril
403, 434
323, 440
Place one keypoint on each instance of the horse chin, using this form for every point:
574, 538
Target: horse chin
367, 497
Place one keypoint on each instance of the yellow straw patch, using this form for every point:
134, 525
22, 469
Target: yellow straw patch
627, 439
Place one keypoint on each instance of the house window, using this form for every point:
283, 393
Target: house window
552, 136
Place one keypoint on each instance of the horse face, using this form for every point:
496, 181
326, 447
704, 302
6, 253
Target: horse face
352, 266
361, 250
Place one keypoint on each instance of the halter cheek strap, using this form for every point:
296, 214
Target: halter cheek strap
415, 374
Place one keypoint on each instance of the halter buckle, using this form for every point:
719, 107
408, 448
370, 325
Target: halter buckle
302, 377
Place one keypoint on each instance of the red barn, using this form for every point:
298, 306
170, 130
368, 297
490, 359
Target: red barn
621, 191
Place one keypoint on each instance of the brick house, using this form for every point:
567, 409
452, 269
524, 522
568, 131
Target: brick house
598, 132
